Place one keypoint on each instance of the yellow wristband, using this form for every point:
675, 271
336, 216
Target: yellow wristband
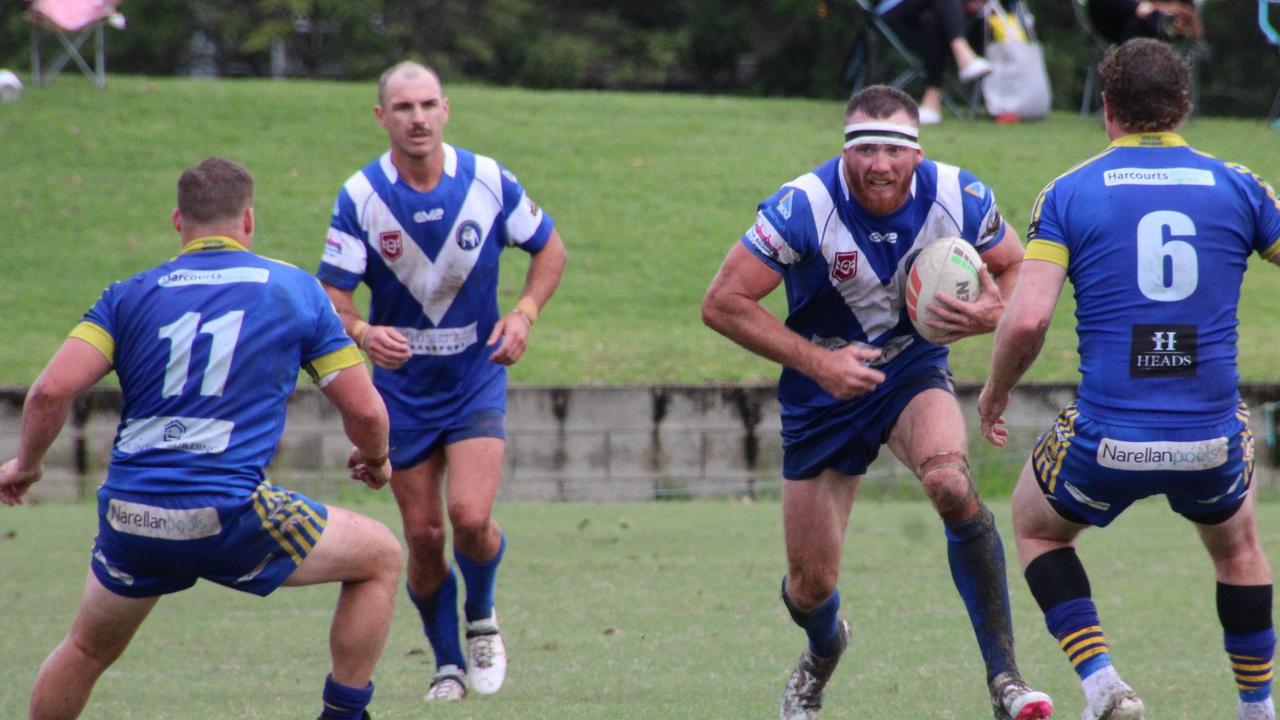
528, 308
358, 331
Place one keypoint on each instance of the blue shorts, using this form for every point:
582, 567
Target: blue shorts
159, 544
1091, 471
412, 446
847, 437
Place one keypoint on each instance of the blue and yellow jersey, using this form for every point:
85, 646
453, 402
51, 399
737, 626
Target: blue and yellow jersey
1155, 237
430, 260
845, 269
207, 348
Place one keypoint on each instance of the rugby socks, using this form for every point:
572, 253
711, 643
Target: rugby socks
439, 612
976, 556
343, 702
1061, 588
480, 579
821, 624
1250, 641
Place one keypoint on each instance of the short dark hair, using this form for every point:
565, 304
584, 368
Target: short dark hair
403, 65
1147, 85
881, 101
217, 189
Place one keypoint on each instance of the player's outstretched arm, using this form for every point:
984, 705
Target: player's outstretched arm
364, 419
732, 308
540, 283
384, 345
76, 367
1019, 337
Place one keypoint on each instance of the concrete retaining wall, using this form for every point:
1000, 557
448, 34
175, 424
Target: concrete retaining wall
591, 443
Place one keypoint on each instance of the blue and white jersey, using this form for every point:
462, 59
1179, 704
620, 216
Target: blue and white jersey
207, 348
846, 270
1155, 237
431, 262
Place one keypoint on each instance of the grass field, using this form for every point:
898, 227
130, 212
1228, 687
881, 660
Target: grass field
649, 192
645, 611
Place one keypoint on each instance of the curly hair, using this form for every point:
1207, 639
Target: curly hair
1146, 85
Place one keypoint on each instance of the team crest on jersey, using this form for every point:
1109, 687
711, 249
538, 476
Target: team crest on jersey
844, 266
784, 205
468, 235
391, 245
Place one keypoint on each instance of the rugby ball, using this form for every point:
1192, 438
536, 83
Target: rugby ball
947, 265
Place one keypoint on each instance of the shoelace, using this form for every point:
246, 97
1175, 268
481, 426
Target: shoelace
483, 649
440, 688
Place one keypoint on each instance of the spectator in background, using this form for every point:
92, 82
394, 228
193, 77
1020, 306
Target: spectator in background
937, 28
1120, 20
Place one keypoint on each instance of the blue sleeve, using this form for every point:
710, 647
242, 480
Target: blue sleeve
1046, 223
983, 226
327, 335
345, 257
102, 313
784, 232
1266, 209
524, 224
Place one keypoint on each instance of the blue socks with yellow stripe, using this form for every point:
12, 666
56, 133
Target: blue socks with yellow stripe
342, 702
439, 612
1248, 637
480, 579
1061, 589
976, 556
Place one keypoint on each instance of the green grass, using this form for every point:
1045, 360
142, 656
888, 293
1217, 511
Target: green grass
655, 610
649, 192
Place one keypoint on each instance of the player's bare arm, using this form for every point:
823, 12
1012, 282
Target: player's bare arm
540, 283
732, 308
384, 345
364, 418
76, 367
999, 276
1019, 338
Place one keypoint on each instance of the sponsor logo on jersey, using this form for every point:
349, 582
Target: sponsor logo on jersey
976, 189
223, 276
440, 341
533, 208
468, 235
428, 215
784, 205
188, 434
844, 265
890, 237
1163, 351
391, 245
1163, 455
164, 523
990, 225
1157, 176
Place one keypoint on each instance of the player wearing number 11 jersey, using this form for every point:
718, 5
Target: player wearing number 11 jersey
1155, 237
207, 347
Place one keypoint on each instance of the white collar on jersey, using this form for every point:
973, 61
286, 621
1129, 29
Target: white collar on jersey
880, 132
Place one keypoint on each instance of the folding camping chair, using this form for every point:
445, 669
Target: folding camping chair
71, 23
866, 60
1273, 37
1196, 51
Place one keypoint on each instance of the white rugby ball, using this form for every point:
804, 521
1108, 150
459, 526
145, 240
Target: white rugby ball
947, 265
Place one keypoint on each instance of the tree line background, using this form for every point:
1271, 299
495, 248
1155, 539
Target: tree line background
759, 47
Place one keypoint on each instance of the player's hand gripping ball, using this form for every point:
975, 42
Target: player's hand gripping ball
947, 265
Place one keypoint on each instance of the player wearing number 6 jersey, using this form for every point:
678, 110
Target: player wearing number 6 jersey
1155, 237
208, 347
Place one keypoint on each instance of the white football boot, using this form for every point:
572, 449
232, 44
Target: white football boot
802, 697
486, 655
1110, 698
449, 685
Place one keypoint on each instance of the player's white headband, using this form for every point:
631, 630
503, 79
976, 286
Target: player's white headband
880, 132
